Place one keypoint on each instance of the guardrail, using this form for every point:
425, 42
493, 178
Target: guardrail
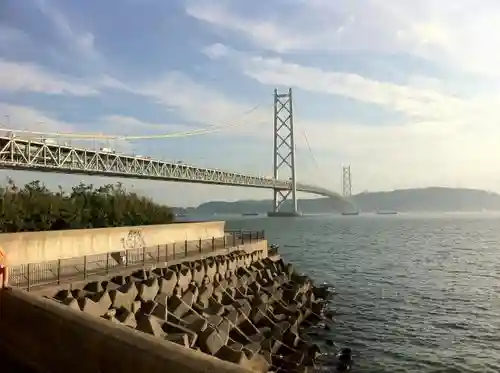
32, 275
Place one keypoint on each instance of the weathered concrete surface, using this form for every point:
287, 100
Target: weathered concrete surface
57, 339
236, 304
76, 283
38, 247
248, 312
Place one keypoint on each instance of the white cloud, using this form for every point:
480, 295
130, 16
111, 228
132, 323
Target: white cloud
20, 76
139, 129
200, 104
81, 42
266, 33
462, 34
420, 101
29, 119
405, 156
10, 37
444, 140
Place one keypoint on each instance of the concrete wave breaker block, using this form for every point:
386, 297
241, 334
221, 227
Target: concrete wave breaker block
244, 309
195, 323
232, 264
150, 325
210, 268
255, 257
175, 331
158, 307
214, 308
198, 272
79, 293
125, 317
159, 271
248, 260
183, 339
233, 356
232, 315
71, 303
141, 275
124, 296
91, 307
61, 295
168, 282
119, 280
103, 299
211, 339
181, 306
184, 277
94, 286
204, 295
148, 289
221, 266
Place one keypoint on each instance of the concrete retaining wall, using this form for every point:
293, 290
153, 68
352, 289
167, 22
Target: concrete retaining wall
38, 247
57, 339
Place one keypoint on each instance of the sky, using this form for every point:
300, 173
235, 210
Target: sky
405, 92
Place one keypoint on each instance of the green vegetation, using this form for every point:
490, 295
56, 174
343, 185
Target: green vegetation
35, 208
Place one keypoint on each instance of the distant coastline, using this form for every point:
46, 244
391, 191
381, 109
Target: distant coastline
434, 199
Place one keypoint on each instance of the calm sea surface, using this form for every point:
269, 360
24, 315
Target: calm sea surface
417, 293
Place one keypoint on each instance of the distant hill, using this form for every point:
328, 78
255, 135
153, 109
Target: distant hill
426, 199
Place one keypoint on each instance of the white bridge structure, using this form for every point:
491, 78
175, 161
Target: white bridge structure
17, 153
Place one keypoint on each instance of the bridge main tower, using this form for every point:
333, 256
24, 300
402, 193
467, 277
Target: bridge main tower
285, 200
346, 182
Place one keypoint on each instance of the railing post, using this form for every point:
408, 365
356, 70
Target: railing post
242, 238
126, 258
263, 235
200, 245
158, 253
251, 232
107, 262
58, 271
234, 238
29, 276
225, 244
166, 252
85, 267
185, 247
213, 243
173, 251
143, 255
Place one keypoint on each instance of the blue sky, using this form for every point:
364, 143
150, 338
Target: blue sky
406, 92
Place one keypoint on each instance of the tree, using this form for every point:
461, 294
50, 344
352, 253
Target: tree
35, 208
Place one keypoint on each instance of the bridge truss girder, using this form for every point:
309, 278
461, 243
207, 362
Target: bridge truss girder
22, 154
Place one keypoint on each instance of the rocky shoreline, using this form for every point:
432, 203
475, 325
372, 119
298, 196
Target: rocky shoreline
245, 308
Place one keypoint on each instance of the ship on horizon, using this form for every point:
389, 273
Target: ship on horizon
386, 212
350, 213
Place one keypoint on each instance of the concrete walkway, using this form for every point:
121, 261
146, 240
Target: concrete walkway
31, 276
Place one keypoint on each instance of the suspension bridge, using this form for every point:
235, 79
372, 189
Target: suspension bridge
18, 153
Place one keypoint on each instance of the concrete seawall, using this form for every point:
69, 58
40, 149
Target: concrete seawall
234, 308
39, 247
53, 338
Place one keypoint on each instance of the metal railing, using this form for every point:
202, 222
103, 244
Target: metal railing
32, 275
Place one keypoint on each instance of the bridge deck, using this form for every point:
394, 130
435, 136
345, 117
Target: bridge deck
25, 154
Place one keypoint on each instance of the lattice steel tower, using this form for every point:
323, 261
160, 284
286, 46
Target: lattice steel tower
284, 154
346, 182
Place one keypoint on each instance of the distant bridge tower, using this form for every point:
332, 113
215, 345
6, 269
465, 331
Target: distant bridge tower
285, 201
346, 182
